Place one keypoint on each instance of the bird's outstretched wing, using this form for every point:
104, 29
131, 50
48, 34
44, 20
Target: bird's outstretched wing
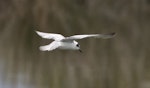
76, 37
50, 46
50, 35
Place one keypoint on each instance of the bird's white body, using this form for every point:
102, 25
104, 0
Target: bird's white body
69, 43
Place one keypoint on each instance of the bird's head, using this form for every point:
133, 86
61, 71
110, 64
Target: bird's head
77, 46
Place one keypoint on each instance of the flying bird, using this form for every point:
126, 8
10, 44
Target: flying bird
68, 43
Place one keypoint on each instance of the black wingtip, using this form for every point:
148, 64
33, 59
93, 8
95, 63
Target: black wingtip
112, 34
109, 35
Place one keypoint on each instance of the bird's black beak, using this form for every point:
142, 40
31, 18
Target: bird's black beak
80, 50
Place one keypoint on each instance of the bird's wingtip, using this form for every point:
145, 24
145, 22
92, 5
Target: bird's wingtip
36, 31
109, 35
113, 34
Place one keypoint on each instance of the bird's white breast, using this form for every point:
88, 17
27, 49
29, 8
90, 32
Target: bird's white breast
68, 45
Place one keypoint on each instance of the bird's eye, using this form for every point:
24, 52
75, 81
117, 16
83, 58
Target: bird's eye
78, 45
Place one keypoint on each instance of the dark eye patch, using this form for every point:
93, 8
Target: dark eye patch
78, 45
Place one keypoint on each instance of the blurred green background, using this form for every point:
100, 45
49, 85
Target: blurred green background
120, 62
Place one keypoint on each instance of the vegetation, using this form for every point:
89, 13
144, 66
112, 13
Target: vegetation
121, 62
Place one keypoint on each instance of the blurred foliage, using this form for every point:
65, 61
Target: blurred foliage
121, 62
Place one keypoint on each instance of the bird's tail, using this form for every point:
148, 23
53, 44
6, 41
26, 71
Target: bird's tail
44, 48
